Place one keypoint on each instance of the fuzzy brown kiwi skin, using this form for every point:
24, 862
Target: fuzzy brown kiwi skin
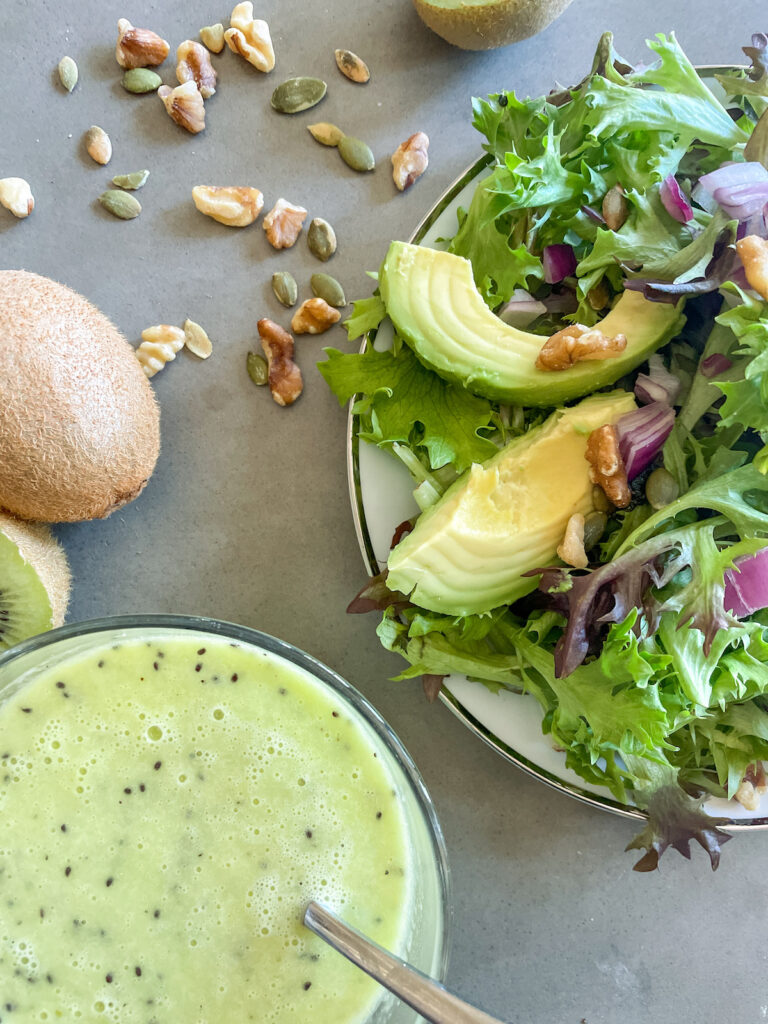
79, 423
496, 23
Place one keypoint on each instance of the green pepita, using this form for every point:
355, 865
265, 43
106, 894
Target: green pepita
68, 73
325, 133
298, 94
131, 181
661, 488
140, 80
326, 287
356, 154
285, 288
120, 204
257, 368
594, 528
321, 239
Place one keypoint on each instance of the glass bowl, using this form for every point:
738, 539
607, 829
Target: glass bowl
429, 896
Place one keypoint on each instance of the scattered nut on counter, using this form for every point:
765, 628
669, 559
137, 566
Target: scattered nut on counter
314, 316
237, 206
285, 380
139, 47
213, 37
325, 133
196, 340
185, 105
120, 204
159, 346
16, 196
98, 145
193, 64
250, 37
283, 224
352, 66
68, 73
321, 239
410, 160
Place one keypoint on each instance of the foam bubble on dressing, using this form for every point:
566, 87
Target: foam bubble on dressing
168, 808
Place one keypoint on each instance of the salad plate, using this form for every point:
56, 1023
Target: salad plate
381, 495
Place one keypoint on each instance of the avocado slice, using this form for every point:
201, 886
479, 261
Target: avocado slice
432, 300
468, 552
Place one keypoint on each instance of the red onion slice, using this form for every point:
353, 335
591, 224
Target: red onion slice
746, 585
559, 262
642, 434
675, 202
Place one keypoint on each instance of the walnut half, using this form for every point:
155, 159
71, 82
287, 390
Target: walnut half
607, 468
285, 380
576, 343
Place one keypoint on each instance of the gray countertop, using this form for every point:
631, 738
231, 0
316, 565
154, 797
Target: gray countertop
247, 517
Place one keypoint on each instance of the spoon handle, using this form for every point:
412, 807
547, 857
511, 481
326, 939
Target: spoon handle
423, 994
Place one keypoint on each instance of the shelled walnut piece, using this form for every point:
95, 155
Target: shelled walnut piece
237, 206
184, 105
193, 64
250, 37
576, 343
139, 47
571, 548
283, 224
285, 381
16, 196
607, 468
314, 316
410, 160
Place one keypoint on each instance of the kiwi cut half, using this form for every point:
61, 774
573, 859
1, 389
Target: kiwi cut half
34, 581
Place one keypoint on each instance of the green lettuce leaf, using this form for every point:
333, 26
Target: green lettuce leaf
410, 404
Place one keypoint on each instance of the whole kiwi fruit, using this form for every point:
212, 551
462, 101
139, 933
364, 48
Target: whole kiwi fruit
79, 424
484, 24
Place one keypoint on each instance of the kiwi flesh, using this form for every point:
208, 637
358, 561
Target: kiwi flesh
34, 581
485, 24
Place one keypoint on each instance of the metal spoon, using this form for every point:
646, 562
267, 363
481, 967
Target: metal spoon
425, 995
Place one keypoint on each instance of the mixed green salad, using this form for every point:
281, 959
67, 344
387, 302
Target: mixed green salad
637, 200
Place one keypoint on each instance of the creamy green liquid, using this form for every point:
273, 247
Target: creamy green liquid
166, 811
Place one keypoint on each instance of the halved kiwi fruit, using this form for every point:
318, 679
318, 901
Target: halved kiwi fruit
34, 581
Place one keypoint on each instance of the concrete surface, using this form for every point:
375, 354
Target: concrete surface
247, 517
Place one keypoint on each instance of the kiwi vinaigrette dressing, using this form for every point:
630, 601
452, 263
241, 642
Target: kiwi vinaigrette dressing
166, 811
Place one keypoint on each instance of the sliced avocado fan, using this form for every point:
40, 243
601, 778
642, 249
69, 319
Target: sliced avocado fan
34, 581
467, 553
432, 300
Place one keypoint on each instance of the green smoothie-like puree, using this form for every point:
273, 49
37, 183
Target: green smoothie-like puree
167, 808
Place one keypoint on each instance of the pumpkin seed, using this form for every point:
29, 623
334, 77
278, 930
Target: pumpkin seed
326, 287
131, 181
594, 528
68, 73
257, 368
285, 288
356, 154
661, 488
321, 239
140, 80
196, 340
120, 204
98, 145
351, 66
325, 133
298, 94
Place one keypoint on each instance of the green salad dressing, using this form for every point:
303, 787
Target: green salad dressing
166, 811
